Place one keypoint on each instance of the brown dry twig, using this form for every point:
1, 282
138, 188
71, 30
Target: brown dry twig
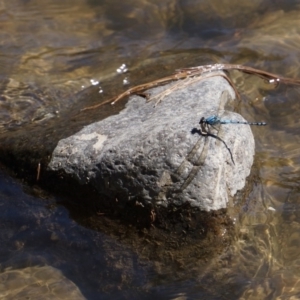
194, 73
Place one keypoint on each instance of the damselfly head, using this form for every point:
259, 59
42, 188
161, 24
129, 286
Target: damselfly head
202, 121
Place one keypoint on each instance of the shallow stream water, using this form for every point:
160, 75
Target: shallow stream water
53, 50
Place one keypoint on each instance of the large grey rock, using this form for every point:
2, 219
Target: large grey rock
147, 154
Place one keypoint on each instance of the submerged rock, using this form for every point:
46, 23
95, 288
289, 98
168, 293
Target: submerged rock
156, 158
22, 103
37, 282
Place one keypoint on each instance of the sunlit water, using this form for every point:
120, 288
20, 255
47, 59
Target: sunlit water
53, 50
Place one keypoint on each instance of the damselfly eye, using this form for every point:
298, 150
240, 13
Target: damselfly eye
202, 120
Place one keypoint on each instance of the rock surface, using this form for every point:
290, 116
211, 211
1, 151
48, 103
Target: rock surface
156, 156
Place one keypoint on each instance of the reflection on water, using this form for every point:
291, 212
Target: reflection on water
53, 50
38, 239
